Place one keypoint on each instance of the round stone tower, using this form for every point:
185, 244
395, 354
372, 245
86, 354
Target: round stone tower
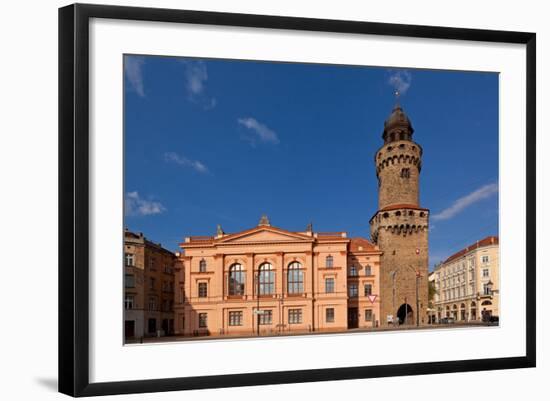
400, 226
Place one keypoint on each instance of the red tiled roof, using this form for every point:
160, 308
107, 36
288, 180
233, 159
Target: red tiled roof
357, 242
491, 240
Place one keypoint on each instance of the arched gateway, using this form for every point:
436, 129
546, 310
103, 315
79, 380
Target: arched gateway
405, 314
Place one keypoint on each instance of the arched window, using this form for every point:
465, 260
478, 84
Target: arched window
236, 280
295, 279
266, 277
329, 261
202, 266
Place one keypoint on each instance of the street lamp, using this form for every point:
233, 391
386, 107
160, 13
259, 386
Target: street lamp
418, 275
393, 273
258, 303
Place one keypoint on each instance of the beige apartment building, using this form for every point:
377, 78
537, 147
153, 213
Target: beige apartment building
267, 280
148, 287
467, 283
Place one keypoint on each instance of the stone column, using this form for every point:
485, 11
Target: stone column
279, 273
249, 276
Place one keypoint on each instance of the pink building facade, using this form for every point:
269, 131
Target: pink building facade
270, 281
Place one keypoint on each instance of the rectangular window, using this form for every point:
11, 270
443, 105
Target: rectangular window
368, 270
329, 261
485, 259
152, 283
368, 289
353, 292
129, 259
129, 302
152, 263
152, 303
266, 317
353, 271
203, 320
329, 285
236, 318
129, 281
485, 272
203, 290
329, 314
294, 316
368, 315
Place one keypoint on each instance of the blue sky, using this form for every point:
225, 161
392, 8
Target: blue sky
212, 142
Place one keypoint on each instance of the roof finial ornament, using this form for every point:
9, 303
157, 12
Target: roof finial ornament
309, 228
264, 221
219, 231
397, 95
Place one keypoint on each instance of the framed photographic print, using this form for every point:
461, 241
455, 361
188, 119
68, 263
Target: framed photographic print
280, 199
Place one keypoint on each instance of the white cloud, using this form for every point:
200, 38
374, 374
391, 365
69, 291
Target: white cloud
462, 203
184, 161
260, 131
400, 80
134, 205
134, 73
196, 76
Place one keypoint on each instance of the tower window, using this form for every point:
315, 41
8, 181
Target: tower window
405, 173
386, 215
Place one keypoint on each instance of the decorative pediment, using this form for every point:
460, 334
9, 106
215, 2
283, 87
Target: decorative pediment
264, 234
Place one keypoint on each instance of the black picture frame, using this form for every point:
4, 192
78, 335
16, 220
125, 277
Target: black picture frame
74, 198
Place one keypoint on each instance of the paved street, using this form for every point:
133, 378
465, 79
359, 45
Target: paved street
149, 340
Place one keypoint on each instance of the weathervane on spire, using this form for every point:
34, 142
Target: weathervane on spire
397, 94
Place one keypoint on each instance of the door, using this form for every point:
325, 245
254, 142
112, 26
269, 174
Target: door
129, 328
353, 318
